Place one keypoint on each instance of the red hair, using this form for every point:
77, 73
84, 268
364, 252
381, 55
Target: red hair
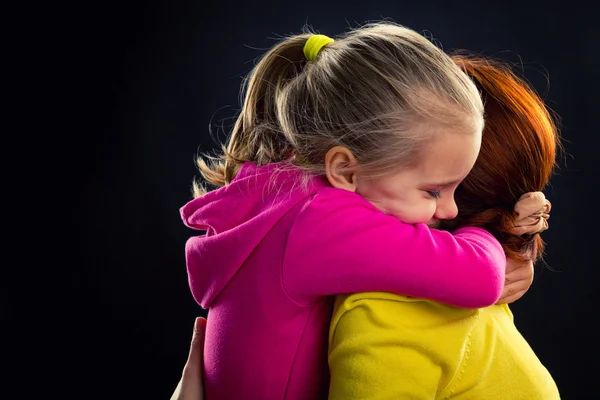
518, 150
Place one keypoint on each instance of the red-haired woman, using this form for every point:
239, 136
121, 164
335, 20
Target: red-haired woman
395, 347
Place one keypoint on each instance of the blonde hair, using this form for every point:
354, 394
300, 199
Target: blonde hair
380, 90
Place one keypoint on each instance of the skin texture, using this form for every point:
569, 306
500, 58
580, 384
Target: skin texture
425, 193
422, 193
518, 279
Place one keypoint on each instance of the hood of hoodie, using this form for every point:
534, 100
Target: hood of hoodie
235, 219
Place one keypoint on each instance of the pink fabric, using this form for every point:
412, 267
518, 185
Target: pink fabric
274, 250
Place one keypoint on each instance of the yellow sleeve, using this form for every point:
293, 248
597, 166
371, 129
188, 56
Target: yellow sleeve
384, 346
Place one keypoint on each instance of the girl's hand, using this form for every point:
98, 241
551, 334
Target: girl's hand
519, 277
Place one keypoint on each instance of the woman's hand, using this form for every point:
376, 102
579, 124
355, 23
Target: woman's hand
191, 387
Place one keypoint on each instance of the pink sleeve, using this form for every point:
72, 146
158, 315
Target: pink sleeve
340, 243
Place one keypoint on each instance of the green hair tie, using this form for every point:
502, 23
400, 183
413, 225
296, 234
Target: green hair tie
314, 44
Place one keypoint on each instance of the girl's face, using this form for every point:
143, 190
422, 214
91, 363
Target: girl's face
424, 193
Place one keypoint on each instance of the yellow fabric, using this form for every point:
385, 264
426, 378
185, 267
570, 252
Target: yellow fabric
314, 44
385, 346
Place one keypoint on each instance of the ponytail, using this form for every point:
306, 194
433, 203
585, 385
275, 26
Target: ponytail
257, 135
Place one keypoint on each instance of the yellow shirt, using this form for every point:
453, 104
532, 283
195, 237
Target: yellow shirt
385, 346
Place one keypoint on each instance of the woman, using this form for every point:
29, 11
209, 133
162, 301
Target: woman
388, 346
518, 125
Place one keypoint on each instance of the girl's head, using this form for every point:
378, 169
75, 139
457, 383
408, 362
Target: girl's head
517, 155
372, 104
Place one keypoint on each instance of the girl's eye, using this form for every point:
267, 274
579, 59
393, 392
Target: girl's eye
434, 193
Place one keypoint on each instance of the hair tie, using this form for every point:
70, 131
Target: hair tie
314, 44
533, 212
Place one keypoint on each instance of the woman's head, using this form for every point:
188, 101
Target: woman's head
382, 92
517, 155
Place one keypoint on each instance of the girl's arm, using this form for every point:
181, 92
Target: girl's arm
340, 243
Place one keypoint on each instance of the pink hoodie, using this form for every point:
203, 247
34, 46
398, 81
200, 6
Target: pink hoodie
275, 250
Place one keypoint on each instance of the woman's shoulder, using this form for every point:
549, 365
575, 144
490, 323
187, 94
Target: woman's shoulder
352, 300
398, 310
355, 299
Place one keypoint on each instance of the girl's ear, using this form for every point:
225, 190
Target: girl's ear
337, 161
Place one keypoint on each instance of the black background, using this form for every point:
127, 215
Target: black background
151, 77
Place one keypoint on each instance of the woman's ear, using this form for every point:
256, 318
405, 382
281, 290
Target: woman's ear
337, 161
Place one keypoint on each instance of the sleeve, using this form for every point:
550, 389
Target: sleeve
374, 354
339, 243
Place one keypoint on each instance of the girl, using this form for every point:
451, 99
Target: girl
342, 152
